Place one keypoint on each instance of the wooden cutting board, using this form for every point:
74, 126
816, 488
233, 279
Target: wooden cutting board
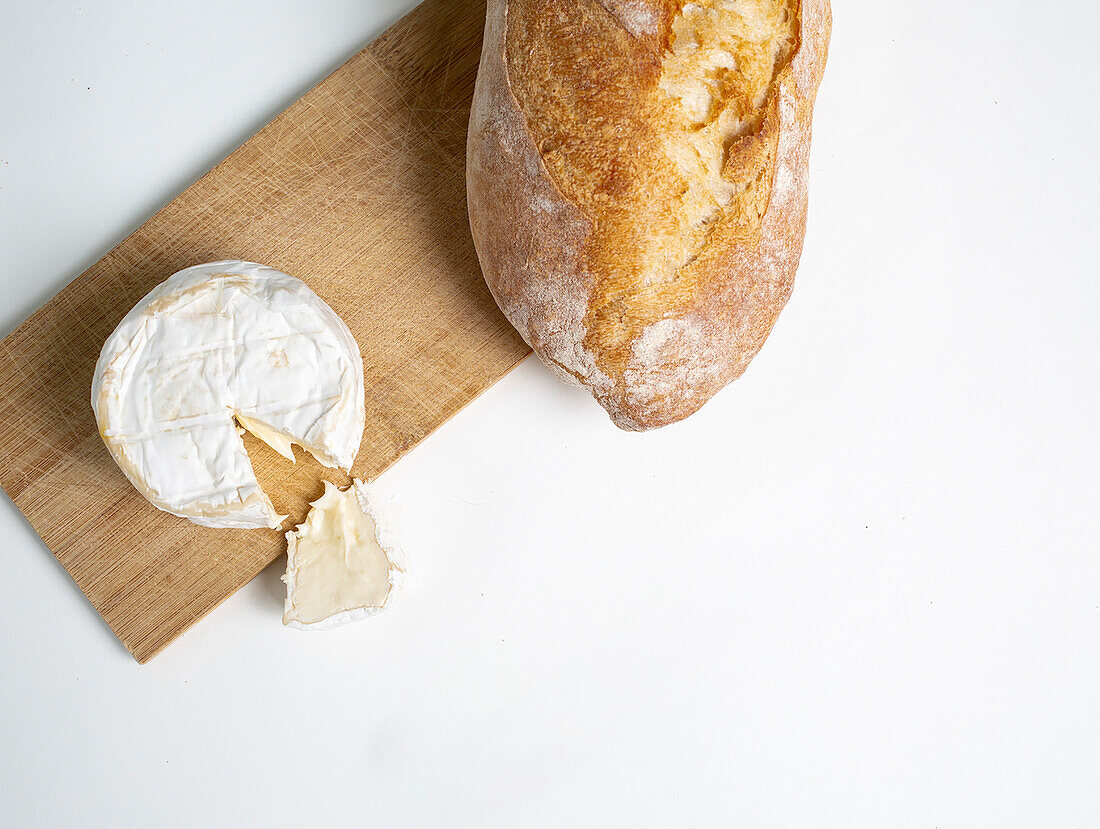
359, 190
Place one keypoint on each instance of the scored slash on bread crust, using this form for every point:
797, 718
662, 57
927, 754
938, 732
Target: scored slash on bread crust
636, 175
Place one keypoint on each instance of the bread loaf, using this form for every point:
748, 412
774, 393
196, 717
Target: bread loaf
636, 178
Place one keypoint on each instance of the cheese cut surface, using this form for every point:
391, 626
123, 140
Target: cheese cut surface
213, 346
340, 565
276, 440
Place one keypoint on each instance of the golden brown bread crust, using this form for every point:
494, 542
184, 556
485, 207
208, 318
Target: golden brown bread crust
636, 184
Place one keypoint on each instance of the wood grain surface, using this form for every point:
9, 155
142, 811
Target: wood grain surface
357, 189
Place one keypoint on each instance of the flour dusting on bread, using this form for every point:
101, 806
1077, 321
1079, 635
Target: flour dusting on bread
671, 358
637, 16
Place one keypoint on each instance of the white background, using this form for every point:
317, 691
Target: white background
861, 588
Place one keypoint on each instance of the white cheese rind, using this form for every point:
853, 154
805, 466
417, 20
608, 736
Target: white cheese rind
343, 564
212, 342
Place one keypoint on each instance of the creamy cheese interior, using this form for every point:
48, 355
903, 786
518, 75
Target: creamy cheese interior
335, 561
273, 438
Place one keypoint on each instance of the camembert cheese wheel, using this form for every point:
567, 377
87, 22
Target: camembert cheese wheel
214, 348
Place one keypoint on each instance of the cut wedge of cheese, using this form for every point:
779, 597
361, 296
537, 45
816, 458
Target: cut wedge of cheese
341, 563
213, 346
